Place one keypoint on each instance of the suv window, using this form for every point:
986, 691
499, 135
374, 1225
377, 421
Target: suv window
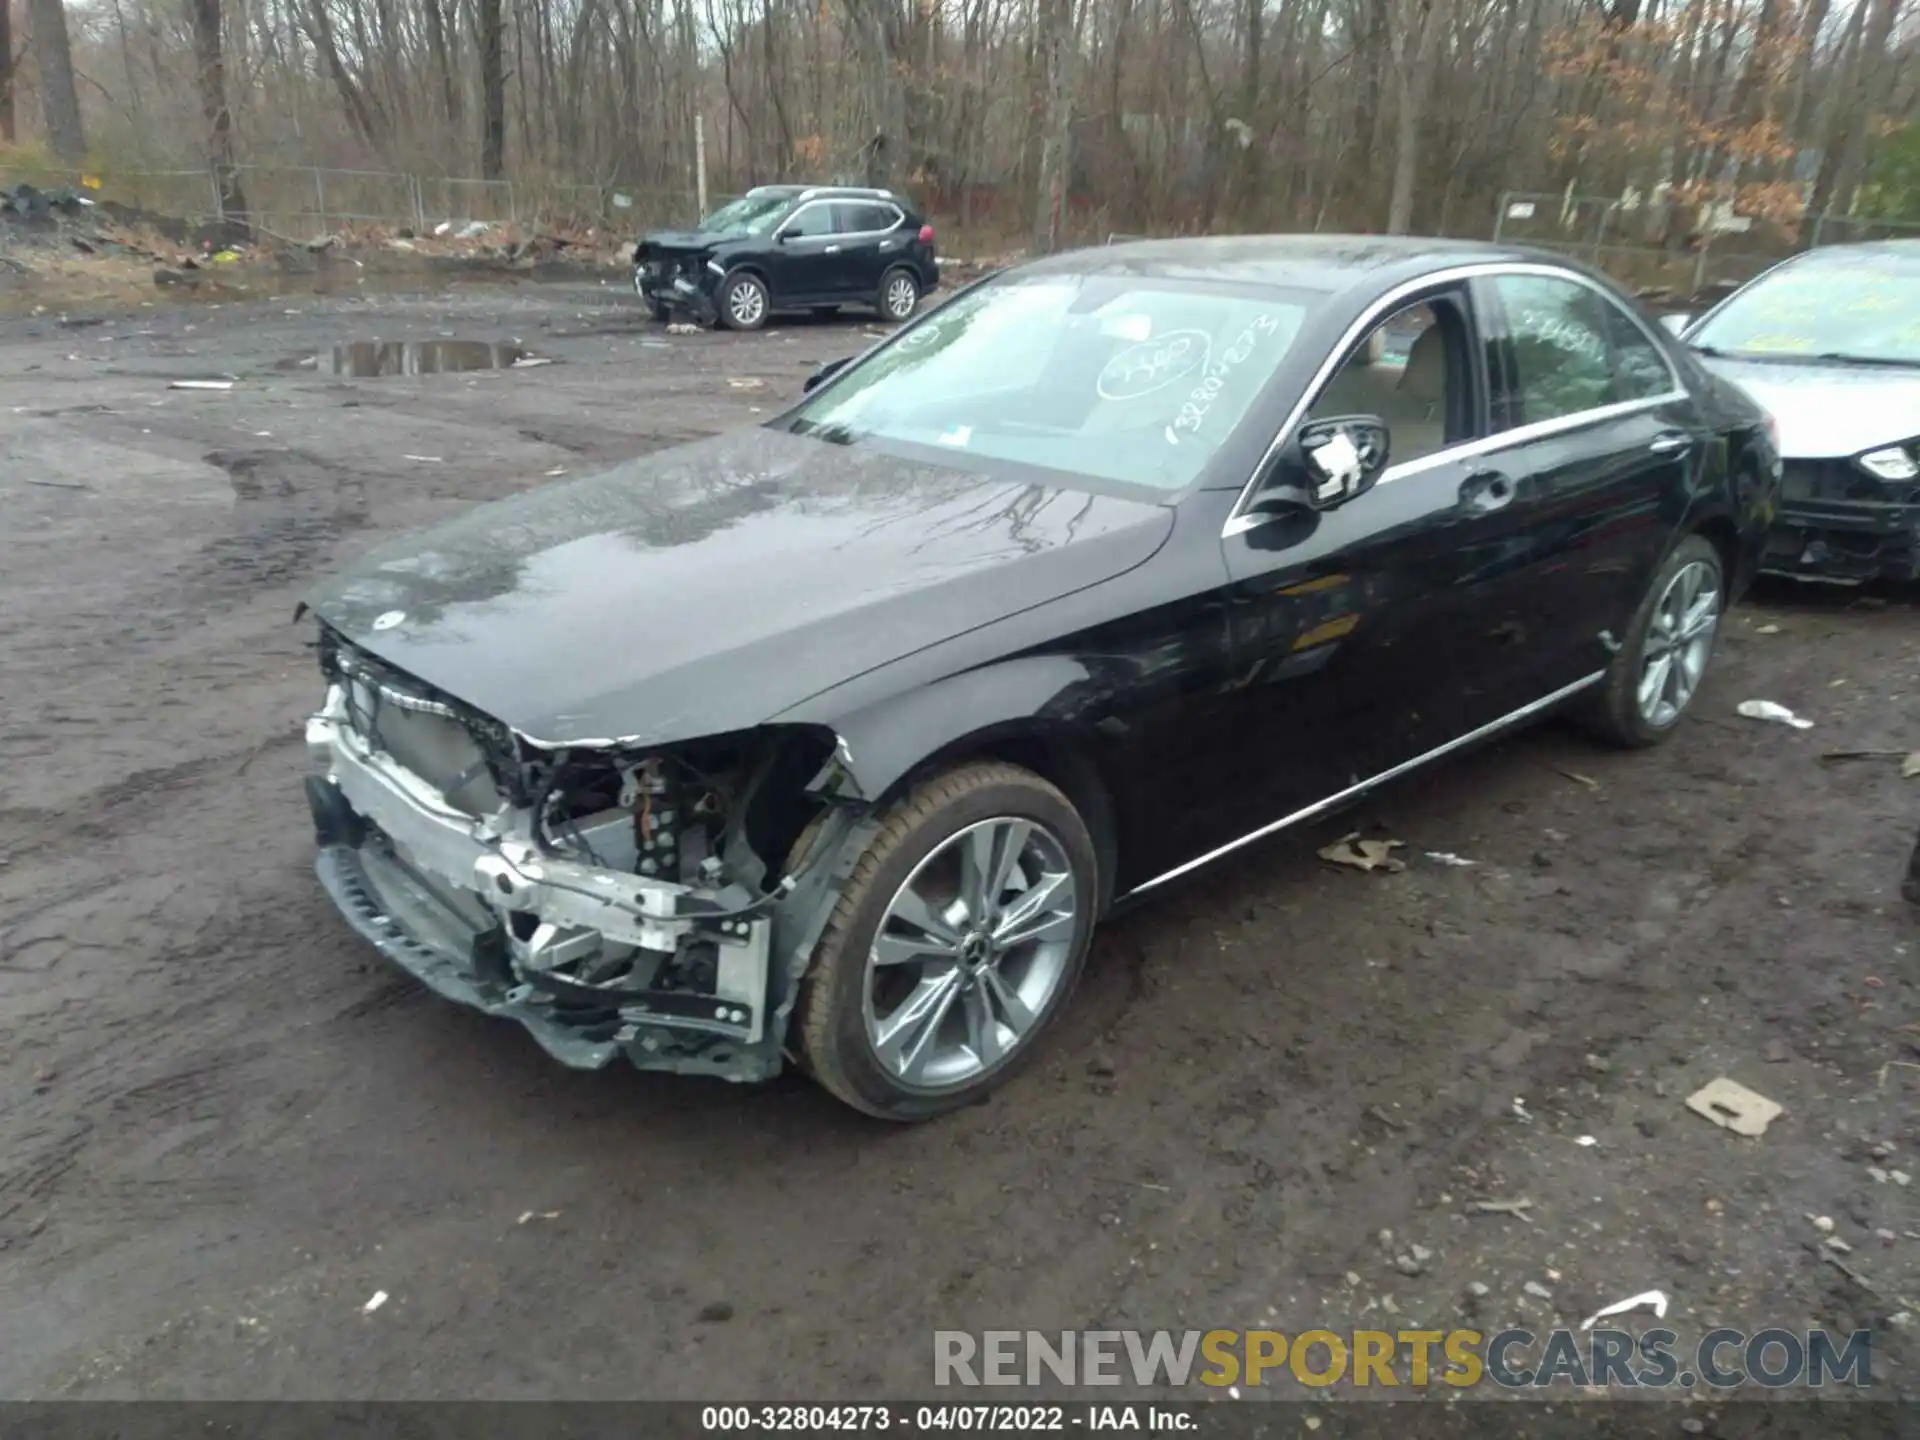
1574, 350
862, 217
1402, 373
811, 220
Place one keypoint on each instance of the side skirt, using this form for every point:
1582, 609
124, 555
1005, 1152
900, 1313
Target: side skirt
1320, 807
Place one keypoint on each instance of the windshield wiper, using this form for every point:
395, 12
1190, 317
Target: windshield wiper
837, 433
1834, 357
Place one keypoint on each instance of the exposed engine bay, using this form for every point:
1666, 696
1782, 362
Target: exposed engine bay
610, 900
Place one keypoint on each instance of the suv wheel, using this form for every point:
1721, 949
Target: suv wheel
744, 302
899, 293
956, 942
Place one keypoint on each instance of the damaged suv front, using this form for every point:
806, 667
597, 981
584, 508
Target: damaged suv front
610, 899
1829, 344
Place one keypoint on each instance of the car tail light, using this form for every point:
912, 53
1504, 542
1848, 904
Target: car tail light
926, 234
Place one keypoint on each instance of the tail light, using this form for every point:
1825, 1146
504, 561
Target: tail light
926, 234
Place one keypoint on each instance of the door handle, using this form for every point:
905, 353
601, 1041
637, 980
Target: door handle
833, 250
1671, 443
1486, 490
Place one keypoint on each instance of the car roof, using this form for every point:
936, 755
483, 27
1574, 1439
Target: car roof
1328, 263
1854, 249
829, 192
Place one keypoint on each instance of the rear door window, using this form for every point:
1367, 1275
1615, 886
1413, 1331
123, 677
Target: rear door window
866, 217
1573, 350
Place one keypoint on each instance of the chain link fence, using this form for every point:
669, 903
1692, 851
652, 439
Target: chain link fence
303, 202
1718, 252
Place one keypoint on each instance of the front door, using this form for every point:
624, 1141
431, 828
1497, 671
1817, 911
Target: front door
806, 265
1368, 635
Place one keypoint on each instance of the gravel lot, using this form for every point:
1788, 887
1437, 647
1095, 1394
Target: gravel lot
226, 1124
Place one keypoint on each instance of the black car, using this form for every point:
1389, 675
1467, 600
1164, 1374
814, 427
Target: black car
1829, 343
790, 247
837, 735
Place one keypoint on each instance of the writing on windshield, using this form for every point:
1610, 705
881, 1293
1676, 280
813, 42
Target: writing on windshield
1132, 378
1862, 306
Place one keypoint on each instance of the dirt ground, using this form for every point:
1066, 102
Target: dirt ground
226, 1123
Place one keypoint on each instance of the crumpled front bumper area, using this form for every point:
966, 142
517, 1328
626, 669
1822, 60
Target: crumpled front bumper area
681, 288
488, 921
1838, 524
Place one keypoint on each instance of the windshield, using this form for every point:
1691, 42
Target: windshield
749, 215
1129, 378
1833, 305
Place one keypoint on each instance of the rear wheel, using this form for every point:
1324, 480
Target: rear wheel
744, 302
957, 941
1658, 668
899, 293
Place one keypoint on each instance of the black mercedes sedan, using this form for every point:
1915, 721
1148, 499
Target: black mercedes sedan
1829, 343
834, 738
790, 247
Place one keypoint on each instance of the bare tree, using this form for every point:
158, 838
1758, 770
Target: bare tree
59, 102
1164, 115
1060, 45
493, 90
8, 129
204, 18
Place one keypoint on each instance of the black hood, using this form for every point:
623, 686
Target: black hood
707, 588
682, 241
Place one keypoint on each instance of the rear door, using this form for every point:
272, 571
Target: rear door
1599, 439
871, 238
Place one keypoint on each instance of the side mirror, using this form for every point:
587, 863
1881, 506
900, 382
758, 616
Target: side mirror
1343, 457
825, 373
1676, 324
781, 237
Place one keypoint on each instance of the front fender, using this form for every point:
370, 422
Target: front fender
885, 742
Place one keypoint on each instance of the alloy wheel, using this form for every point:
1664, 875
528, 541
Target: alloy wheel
746, 303
902, 296
1679, 640
971, 952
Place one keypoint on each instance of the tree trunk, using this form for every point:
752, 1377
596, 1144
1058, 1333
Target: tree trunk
1415, 52
360, 117
8, 133
204, 17
59, 101
442, 61
1877, 67
1056, 136
493, 90
1840, 124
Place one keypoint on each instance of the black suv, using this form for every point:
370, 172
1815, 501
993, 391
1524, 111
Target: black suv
790, 247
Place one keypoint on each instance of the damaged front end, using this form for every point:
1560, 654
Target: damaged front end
677, 280
1849, 520
657, 903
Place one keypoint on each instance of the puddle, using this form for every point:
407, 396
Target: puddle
417, 357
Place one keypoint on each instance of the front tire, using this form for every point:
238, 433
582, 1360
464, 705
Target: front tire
744, 302
1657, 671
957, 941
